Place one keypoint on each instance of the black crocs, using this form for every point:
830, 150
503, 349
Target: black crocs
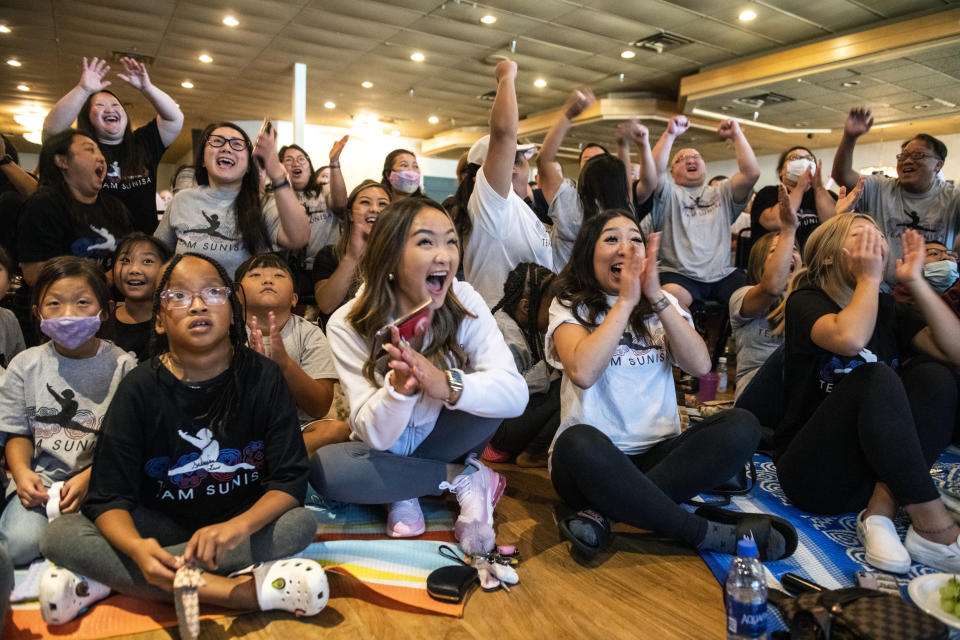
601, 527
756, 524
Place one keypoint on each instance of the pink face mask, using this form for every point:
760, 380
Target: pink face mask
70, 332
405, 181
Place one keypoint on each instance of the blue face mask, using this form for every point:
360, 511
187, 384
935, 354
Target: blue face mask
941, 274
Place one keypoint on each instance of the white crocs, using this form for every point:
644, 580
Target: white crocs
297, 585
64, 595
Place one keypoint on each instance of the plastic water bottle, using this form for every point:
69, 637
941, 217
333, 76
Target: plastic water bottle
746, 594
722, 371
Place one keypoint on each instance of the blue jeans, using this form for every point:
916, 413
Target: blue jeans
21, 529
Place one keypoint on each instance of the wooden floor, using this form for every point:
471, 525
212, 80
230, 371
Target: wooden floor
645, 587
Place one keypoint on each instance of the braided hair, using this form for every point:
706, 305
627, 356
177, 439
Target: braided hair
219, 413
531, 281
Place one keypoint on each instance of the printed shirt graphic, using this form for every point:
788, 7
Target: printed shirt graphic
633, 402
755, 342
60, 403
137, 188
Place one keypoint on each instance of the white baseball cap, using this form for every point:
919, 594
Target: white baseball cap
478, 152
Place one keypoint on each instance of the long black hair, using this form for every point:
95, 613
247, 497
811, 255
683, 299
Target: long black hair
532, 282
247, 206
461, 217
53, 183
578, 288
388, 169
313, 188
603, 185
221, 410
133, 160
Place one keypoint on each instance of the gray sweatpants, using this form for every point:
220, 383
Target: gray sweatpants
353, 472
74, 542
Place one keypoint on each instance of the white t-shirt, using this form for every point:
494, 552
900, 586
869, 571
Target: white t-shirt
306, 345
634, 402
754, 341
695, 229
506, 232
566, 211
324, 225
389, 421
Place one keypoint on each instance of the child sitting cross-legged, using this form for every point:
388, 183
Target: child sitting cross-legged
298, 346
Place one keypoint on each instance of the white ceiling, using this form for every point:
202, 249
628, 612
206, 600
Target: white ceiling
343, 42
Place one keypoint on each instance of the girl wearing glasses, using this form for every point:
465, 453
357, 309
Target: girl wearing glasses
225, 217
200, 462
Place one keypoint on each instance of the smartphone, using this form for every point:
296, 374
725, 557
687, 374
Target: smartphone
409, 326
266, 127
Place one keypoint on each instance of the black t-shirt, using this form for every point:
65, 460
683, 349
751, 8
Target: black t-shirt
129, 337
324, 264
47, 228
155, 451
807, 213
810, 372
138, 191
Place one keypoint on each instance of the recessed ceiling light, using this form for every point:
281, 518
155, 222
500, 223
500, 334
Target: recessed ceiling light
433, 119
945, 103
186, 84
230, 21
921, 106
395, 133
850, 83
488, 19
417, 57
801, 125
4, 28
747, 15
540, 83
23, 87
366, 84
726, 107
628, 53
329, 104
205, 58
13, 62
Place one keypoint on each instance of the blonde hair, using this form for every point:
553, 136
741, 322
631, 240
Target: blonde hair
822, 265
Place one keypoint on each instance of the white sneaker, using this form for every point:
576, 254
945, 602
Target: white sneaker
945, 557
405, 519
477, 494
882, 544
64, 595
297, 585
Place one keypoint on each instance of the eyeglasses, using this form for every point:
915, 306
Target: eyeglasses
181, 298
914, 155
237, 144
684, 158
295, 160
933, 252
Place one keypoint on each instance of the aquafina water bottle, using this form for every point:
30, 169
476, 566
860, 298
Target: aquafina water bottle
746, 594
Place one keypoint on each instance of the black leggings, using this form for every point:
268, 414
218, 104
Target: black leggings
873, 427
534, 429
645, 490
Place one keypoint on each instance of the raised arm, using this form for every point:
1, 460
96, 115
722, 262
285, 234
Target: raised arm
62, 115
294, 226
169, 116
776, 274
741, 183
858, 123
770, 218
826, 205
338, 189
941, 337
633, 131
577, 102
504, 118
24, 183
661, 151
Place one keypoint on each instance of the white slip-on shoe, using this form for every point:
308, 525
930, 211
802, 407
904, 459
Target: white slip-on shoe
882, 544
64, 595
944, 557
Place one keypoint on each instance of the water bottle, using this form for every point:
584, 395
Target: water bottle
746, 594
722, 371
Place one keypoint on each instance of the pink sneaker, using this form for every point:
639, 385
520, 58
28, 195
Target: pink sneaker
478, 493
492, 454
405, 519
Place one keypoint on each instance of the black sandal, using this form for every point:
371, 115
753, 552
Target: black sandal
757, 524
601, 527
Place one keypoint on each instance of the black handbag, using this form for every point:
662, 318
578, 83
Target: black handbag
854, 614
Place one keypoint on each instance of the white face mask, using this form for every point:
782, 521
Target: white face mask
796, 168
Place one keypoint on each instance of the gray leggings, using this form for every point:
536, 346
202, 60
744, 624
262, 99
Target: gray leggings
74, 542
353, 472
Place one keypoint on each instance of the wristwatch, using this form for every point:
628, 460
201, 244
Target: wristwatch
455, 382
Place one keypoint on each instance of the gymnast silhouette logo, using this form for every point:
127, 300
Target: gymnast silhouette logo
209, 459
105, 242
70, 417
213, 224
915, 222
630, 345
113, 174
701, 208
